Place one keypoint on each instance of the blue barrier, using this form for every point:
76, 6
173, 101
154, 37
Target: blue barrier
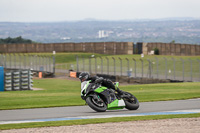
1, 78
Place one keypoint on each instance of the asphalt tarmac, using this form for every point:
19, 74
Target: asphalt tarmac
76, 111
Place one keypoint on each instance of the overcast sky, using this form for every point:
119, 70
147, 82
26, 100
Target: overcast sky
68, 10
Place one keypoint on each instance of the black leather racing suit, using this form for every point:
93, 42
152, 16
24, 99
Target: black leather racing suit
105, 82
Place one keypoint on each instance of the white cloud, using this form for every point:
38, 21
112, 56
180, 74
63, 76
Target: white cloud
61, 10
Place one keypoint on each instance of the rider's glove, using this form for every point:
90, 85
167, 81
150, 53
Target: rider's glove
99, 80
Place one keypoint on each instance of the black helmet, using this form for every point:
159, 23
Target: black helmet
84, 76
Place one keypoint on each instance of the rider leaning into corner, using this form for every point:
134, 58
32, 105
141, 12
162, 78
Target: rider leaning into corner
84, 76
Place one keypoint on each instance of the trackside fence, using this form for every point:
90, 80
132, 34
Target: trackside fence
26, 61
186, 69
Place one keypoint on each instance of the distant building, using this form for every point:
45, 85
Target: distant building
65, 38
103, 34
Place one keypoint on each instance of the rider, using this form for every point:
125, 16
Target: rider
84, 76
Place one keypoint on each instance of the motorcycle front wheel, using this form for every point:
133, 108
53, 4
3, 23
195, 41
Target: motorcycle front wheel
96, 104
131, 102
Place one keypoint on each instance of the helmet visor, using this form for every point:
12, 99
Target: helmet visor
82, 79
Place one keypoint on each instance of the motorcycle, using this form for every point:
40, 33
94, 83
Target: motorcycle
100, 98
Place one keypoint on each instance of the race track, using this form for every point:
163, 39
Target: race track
63, 113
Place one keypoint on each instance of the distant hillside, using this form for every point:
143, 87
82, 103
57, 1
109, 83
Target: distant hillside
10, 40
181, 31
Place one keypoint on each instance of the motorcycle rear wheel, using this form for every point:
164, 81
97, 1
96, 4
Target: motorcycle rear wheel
131, 102
95, 105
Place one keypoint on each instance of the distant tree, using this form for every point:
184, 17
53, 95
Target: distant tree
19, 39
156, 51
173, 41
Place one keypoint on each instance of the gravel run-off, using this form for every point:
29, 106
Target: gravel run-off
177, 125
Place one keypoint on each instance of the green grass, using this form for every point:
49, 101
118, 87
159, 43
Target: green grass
93, 121
62, 92
56, 92
64, 60
164, 91
68, 57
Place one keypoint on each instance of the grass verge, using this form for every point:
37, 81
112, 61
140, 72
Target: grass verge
93, 121
62, 92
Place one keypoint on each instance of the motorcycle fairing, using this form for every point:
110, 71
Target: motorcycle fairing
111, 104
100, 89
116, 104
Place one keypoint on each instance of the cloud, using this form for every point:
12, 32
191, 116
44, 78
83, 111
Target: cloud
61, 10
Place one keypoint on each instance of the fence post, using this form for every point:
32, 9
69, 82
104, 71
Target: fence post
199, 68
15, 60
40, 60
44, 62
114, 66
95, 65
37, 60
43, 58
20, 60
1, 59
142, 66
83, 61
135, 67
46, 58
157, 69
40, 63
165, 67
127, 66
120, 65
190, 69
183, 68
54, 63
174, 68
101, 65
33, 60
4, 58
149, 68
5, 61
107, 65
90, 65
24, 61
49, 63
77, 63
9, 59
29, 61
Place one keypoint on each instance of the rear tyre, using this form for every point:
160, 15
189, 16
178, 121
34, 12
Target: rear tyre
131, 101
96, 104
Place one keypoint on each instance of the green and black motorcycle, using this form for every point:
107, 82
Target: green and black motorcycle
100, 98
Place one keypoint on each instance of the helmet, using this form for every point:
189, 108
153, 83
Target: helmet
84, 76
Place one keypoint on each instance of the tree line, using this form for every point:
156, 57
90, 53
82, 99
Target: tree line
10, 40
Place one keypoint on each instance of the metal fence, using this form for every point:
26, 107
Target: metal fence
187, 69
26, 61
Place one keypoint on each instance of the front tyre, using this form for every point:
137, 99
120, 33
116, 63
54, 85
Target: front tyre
131, 102
96, 104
